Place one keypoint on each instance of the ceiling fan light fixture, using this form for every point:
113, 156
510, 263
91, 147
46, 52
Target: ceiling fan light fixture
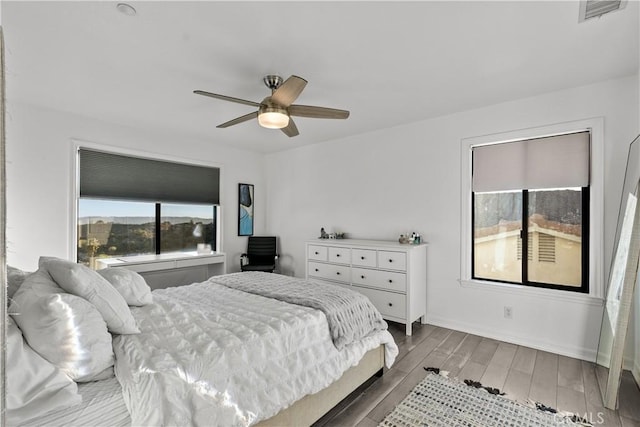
275, 111
126, 9
273, 118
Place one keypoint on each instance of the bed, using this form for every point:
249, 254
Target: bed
238, 349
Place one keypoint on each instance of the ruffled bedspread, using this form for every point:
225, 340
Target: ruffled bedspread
350, 314
212, 355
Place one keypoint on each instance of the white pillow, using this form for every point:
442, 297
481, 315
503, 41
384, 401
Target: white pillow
80, 280
65, 329
129, 284
34, 386
36, 285
15, 277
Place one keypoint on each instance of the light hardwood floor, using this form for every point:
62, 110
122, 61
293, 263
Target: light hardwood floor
522, 373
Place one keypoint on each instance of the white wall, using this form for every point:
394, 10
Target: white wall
407, 178
376, 185
39, 176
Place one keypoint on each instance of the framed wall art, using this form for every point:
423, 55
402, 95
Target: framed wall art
245, 209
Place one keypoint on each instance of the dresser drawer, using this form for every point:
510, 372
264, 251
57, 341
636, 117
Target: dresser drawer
339, 273
392, 260
388, 304
364, 257
318, 253
379, 279
340, 255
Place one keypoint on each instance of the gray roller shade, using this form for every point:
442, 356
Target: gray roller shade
560, 161
115, 176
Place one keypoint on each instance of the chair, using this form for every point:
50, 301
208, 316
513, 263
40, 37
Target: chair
261, 254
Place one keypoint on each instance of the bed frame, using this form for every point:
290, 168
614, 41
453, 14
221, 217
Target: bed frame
312, 407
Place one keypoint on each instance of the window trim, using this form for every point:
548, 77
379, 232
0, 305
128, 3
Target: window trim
74, 187
596, 209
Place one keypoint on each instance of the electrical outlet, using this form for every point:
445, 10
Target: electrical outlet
508, 312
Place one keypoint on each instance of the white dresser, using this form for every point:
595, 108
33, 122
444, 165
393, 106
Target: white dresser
392, 275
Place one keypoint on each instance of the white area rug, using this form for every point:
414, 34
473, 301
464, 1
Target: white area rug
438, 401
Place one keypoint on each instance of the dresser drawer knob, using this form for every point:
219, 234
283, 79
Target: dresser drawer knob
317, 253
390, 281
361, 257
316, 269
338, 255
390, 305
362, 277
390, 260
338, 273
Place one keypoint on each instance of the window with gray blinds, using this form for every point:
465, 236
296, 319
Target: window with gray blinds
115, 176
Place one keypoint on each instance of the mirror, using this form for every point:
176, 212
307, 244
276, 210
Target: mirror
623, 277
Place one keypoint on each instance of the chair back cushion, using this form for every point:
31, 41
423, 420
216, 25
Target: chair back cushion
261, 247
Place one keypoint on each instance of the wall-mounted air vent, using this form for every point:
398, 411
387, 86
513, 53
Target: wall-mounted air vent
596, 8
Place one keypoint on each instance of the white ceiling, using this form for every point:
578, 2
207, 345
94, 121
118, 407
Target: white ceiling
389, 63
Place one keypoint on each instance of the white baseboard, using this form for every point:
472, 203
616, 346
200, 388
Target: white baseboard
526, 341
636, 372
627, 364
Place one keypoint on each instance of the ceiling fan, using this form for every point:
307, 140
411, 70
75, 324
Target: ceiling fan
275, 111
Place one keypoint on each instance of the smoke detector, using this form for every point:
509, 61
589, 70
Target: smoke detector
596, 8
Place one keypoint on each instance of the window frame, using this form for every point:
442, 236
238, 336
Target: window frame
524, 247
74, 196
596, 209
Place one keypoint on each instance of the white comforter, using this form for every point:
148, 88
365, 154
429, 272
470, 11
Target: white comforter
211, 355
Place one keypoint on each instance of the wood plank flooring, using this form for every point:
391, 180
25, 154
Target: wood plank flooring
522, 373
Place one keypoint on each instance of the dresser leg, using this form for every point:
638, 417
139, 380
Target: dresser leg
408, 330
423, 319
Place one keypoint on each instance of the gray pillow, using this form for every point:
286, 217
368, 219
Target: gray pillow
15, 277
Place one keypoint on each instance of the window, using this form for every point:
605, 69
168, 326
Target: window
108, 228
111, 228
183, 227
134, 206
527, 227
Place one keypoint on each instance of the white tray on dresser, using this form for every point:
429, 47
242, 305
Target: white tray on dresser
392, 275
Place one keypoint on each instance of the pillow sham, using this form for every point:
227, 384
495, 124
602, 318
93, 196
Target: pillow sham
15, 277
80, 280
65, 329
129, 284
34, 386
36, 285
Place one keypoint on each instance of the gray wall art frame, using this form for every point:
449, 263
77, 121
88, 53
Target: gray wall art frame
245, 210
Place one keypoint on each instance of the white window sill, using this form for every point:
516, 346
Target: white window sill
552, 294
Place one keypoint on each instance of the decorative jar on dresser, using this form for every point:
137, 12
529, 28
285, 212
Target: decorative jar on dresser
392, 275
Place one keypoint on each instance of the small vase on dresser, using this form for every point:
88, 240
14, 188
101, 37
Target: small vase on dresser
392, 275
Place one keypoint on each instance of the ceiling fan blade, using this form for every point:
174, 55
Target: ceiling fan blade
317, 112
239, 120
226, 98
291, 129
288, 91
